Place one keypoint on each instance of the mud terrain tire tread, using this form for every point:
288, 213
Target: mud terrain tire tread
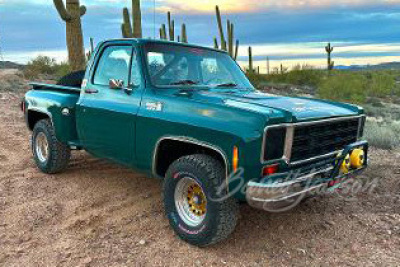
213, 174
59, 153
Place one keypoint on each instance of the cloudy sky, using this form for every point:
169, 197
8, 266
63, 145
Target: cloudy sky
288, 31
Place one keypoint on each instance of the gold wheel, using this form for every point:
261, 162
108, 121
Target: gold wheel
190, 201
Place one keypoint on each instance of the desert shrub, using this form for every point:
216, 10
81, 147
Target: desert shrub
299, 75
388, 112
359, 86
12, 81
375, 102
385, 135
380, 84
348, 87
43, 66
257, 80
304, 77
62, 69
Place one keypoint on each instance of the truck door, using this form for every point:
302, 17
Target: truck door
107, 110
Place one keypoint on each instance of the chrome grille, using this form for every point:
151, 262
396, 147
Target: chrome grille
312, 140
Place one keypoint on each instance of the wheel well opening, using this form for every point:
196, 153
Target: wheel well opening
170, 150
34, 117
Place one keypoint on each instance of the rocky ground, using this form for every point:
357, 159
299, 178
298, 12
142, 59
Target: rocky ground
99, 214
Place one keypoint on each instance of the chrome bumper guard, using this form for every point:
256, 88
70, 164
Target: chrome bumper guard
277, 190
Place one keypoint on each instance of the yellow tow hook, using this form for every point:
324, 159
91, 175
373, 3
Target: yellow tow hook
357, 158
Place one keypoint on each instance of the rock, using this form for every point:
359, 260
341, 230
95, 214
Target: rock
87, 261
354, 248
20, 250
325, 226
331, 223
142, 242
303, 251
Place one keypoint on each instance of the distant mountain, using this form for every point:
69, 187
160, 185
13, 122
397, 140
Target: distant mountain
11, 65
382, 66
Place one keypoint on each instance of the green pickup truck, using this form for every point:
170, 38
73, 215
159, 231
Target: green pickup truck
189, 115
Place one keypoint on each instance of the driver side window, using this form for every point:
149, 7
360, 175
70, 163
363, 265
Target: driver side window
113, 64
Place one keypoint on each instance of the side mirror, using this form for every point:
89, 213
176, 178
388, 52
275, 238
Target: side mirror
116, 84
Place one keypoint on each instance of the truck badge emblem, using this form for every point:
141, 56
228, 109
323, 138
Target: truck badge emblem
154, 106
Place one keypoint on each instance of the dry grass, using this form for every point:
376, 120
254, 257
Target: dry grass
383, 134
12, 81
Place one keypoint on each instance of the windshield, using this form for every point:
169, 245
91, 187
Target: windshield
176, 66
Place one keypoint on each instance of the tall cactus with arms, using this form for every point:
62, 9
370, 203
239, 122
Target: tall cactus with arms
329, 50
71, 13
226, 46
134, 29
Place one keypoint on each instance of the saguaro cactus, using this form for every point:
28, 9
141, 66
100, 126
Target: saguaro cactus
221, 30
71, 13
134, 29
226, 46
183, 34
216, 46
171, 27
90, 52
163, 32
170, 35
329, 50
251, 69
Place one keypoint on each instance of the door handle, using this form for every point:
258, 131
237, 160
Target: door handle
91, 91
128, 91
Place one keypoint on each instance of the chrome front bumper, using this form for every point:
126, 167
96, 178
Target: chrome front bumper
281, 190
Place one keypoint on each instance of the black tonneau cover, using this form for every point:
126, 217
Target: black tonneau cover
54, 87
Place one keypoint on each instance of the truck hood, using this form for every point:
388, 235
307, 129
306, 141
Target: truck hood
296, 108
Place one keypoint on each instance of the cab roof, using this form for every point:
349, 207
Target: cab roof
158, 41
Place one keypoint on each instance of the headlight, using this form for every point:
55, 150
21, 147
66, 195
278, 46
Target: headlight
274, 143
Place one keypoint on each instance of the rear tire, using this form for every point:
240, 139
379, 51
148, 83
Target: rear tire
197, 216
50, 155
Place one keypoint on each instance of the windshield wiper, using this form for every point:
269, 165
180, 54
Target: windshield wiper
184, 82
227, 85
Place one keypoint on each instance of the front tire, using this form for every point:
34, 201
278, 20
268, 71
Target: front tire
196, 210
50, 155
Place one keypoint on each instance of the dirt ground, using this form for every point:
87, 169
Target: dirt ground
99, 214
